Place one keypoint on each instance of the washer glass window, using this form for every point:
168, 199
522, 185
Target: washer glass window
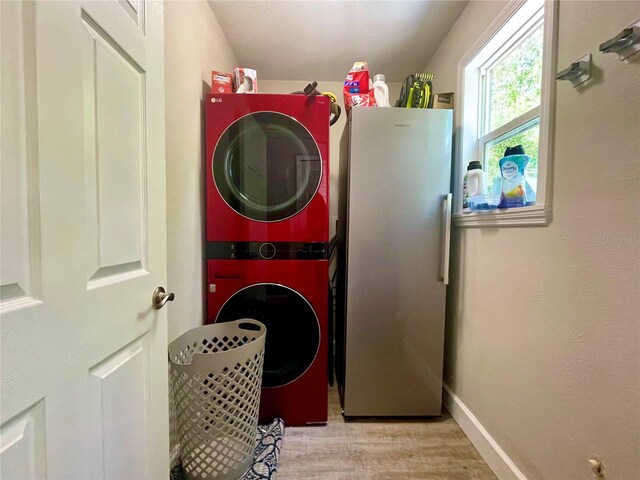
267, 166
293, 331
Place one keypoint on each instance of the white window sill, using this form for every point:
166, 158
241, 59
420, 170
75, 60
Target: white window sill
535, 215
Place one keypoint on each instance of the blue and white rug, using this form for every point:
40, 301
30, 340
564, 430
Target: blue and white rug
265, 460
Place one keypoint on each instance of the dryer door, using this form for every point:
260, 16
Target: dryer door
267, 166
293, 331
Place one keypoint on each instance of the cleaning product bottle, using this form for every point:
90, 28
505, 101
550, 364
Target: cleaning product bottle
474, 183
381, 91
512, 168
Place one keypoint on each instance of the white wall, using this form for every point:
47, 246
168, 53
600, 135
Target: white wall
194, 45
288, 86
543, 324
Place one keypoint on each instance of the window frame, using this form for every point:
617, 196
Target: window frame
517, 17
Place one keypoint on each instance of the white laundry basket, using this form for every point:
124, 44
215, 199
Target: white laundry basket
216, 376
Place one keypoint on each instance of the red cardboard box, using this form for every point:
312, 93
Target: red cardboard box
221, 82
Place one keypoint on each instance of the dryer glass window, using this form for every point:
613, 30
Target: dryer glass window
267, 166
293, 331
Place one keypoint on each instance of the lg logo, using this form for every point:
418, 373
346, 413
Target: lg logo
216, 100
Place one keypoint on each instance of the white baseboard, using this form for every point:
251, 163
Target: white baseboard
491, 452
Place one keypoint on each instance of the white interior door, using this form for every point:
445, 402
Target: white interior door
84, 363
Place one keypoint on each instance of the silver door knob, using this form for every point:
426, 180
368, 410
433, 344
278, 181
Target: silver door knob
160, 297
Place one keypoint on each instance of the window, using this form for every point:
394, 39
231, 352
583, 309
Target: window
506, 85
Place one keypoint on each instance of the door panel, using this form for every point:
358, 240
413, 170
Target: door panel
81, 348
23, 450
121, 419
115, 158
19, 242
135, 10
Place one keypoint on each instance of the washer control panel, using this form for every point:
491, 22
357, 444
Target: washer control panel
267, 250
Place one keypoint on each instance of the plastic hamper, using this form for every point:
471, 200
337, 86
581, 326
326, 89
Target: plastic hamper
216, 376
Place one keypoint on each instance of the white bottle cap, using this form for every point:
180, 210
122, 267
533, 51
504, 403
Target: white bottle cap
378, 78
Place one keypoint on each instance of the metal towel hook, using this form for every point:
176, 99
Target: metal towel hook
578, 72
625, 44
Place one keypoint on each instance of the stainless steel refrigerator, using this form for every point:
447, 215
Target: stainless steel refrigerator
393, 258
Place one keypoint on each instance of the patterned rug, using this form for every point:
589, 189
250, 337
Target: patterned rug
265, 460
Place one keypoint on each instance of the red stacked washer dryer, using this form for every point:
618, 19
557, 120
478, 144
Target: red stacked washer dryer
267, 177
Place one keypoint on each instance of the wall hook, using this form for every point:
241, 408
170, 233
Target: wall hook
625, 44
578, 72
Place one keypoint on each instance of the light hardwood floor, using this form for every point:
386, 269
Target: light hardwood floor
368, 449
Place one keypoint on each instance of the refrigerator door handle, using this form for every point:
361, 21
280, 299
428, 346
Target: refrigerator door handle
446, 237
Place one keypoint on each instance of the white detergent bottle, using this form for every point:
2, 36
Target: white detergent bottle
474, 183
381, 91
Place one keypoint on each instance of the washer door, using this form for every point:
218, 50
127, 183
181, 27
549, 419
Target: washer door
293, 331
267, 166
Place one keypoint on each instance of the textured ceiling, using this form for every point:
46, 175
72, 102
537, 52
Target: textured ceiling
320, 40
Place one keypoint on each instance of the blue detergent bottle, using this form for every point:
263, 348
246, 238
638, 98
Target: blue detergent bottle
514, 185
